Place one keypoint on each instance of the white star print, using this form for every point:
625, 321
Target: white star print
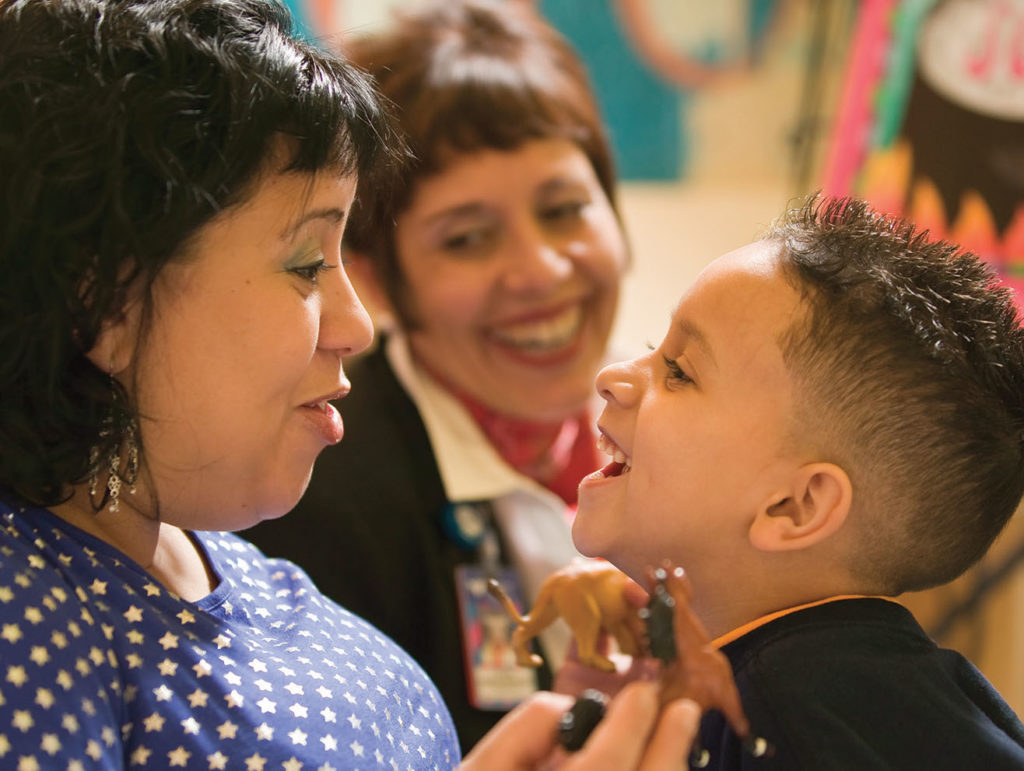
124, 640
140, 756
163, 693
179, 757
264, 732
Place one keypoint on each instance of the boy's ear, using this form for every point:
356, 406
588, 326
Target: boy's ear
814, 507
115, 344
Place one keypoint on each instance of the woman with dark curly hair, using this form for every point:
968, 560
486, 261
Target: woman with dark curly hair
176, 177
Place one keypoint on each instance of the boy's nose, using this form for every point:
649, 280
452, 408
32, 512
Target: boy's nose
616, 383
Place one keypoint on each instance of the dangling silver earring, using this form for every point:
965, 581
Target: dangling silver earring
131, 471
115, 477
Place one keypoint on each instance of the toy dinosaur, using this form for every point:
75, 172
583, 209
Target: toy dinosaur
591, 597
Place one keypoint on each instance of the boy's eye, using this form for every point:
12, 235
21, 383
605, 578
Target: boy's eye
675, 372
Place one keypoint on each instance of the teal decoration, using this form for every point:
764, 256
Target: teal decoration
302, 25
644, 113
891, 101
465, 523
761, 12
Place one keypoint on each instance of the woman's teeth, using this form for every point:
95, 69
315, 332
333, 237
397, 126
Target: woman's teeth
545, 335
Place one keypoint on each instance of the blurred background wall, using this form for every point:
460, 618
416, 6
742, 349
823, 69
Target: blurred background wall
722, 112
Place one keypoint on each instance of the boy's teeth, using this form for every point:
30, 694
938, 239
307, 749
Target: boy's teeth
608, 447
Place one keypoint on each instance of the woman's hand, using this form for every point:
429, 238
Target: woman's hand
634, 734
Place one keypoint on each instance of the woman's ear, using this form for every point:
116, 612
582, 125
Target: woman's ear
115, 344
814, 507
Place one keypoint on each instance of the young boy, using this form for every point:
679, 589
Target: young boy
834, 417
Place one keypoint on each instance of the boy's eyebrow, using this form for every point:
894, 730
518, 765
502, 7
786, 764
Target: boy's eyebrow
692, 333
332, 214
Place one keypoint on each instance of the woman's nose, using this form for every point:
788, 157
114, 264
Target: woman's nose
345, 326
618, 384
536, 262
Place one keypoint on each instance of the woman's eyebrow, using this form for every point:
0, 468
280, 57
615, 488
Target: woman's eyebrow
332, 214
461, 210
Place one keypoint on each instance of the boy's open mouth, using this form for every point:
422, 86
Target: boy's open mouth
620, 461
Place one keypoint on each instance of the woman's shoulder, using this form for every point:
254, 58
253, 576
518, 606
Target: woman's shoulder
40, 592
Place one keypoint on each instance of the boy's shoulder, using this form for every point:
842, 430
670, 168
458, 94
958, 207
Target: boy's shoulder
859, 683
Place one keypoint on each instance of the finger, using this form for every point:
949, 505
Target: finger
618, 741
673, 737
523, 738
635, 594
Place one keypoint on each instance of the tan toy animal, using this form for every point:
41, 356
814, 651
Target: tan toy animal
590, 596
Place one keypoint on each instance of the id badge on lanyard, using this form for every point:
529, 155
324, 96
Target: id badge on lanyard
495, 681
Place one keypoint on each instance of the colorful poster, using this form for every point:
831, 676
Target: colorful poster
931, 122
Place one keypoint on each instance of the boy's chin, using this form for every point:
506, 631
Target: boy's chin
591, 540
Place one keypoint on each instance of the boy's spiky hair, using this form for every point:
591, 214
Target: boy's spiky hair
909, 364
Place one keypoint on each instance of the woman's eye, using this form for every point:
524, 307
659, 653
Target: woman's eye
569, 210
311, 271
467, 242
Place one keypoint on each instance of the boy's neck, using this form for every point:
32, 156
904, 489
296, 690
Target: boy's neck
722, 612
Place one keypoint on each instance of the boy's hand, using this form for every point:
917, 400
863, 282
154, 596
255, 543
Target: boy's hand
574, 678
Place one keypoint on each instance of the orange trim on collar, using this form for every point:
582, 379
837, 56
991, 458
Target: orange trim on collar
750, 626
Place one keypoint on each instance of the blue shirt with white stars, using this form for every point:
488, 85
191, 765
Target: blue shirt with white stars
101, 667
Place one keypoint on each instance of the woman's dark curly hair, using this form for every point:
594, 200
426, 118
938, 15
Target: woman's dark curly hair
126, 126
